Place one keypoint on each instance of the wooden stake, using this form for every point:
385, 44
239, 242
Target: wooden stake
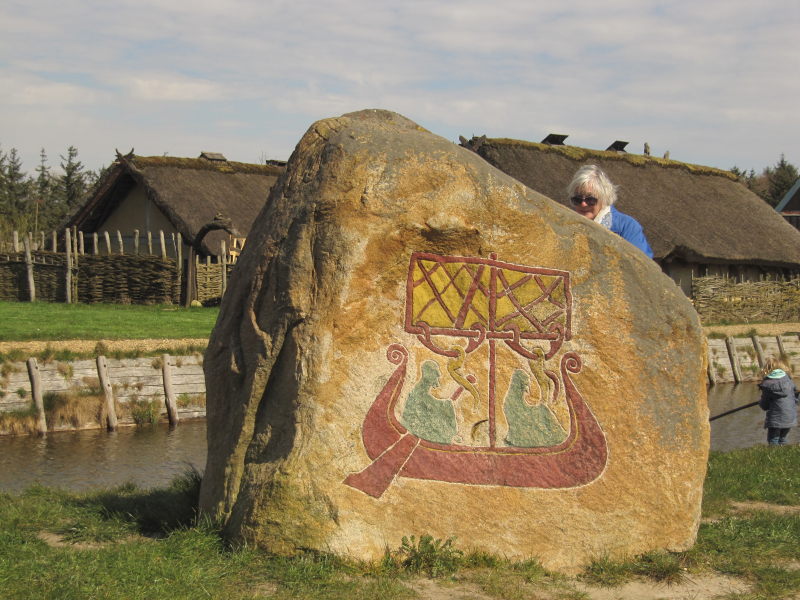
136, 242
36, 392
29, 269
107, 238
120, 244
163, 244
15, 240
95, 244
68, 245
108, 392
169, 395
737, 372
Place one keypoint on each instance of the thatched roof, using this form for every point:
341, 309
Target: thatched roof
189, 191
689, 212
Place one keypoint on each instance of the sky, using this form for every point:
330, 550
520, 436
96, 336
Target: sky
714, 82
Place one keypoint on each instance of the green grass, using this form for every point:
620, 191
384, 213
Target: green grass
22, 321
133, 543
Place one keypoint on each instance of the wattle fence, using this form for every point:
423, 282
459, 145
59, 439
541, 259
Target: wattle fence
76, 269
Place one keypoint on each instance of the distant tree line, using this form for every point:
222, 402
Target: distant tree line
772, 183
41, 202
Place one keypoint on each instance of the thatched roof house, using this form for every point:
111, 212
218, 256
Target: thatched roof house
698, 220
177, 195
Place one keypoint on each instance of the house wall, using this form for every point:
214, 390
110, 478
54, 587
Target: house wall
137, 211
682, 272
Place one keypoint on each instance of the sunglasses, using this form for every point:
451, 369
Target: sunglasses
589, 200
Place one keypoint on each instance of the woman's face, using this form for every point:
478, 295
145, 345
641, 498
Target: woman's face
586, 202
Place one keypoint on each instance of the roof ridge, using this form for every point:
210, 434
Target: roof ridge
578, 153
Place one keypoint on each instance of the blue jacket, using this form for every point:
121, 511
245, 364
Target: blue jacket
629, 229
779, 399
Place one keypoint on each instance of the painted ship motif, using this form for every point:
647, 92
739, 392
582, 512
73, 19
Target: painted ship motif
460, 307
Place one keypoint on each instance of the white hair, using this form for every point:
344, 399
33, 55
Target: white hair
593, 178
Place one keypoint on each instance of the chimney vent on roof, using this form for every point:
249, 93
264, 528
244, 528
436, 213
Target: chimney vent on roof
618, 146
554, 139
213, 156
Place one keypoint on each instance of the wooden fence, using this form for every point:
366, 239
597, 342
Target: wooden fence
95, 268
725, 300
104, 392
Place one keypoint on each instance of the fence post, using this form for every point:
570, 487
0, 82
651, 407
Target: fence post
29, 269
95, 244
36, 392
81, 247
163, 244
54, 239
136, 242
737, 373
68, 244
759, 350
107, 238
119, 243
149, 242
179, 263
781, 349
15, 240
224, 266
41, 243
169, 395
108, 393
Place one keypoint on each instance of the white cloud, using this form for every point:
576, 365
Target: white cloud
701, 78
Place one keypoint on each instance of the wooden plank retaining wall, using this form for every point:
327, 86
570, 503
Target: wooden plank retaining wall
133, 381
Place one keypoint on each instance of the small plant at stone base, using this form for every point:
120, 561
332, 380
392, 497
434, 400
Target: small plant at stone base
433, 557
665, 567
606, 572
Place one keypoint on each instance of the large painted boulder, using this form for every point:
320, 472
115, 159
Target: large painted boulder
415, 343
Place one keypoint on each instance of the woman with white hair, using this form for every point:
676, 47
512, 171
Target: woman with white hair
592, 195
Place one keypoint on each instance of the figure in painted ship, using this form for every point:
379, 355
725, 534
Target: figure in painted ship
424, 415
529, 425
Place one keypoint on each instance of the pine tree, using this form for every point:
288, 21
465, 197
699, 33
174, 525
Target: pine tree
781, 178
71, 186
44, 190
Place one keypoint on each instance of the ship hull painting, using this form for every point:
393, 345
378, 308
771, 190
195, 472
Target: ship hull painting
395, 451
578, 460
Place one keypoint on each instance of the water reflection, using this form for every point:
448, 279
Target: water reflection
82, 460
741, 429
152, 456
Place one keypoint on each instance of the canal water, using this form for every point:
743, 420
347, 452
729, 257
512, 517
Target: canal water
152, 456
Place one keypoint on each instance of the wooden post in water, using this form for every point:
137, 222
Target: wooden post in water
759, 351
108, 392
29, 269
781, 349
169, 395
36, 392
737, 371
68, 248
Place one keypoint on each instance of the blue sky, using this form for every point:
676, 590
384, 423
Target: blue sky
714, 82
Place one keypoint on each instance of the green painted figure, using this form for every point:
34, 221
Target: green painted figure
529, 426
425, 416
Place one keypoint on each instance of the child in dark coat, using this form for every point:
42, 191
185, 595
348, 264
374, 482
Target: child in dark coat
779, 400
